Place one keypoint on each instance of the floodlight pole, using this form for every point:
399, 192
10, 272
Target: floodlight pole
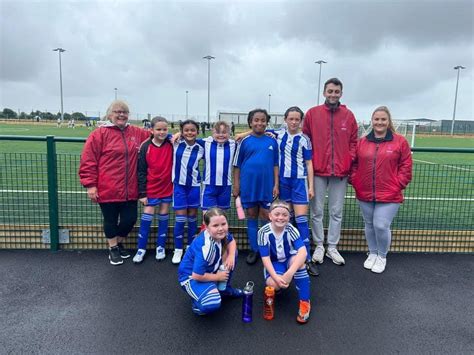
60, 50
320, 62
115, 89
186, 104
269, 102
209, 58
458, 68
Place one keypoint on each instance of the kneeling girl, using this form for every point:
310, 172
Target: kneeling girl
283, 256
199, 270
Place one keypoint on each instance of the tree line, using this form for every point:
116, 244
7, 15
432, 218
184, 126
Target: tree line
8, 113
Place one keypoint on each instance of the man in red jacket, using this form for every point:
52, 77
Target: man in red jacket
332, 129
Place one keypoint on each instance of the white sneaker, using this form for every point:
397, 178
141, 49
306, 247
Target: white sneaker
370, 261
138, 258
160, 253
379, 265
334, 255
177, 255
318, 255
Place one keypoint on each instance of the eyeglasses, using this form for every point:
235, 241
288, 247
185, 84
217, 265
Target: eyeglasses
121, 112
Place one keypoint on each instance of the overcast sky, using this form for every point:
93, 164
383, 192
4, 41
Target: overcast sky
395, 53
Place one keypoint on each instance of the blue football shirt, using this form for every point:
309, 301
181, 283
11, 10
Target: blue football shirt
256, 157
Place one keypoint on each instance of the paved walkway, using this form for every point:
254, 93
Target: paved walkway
75, 302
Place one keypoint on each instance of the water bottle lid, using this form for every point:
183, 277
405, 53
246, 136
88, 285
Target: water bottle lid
249, 286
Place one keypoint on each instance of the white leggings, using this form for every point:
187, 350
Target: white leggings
378, 217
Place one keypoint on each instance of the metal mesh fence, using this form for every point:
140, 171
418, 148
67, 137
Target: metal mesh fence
437, 215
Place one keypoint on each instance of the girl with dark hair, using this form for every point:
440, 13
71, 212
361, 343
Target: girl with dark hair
295, 173
256, 175
187, 182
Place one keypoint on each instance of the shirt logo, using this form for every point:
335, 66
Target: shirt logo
270, 147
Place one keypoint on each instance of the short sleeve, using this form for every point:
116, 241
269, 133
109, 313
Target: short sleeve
239, 153
200, 264
263, 244
275, 153
201, 141
295, 237
307, 153
298, 243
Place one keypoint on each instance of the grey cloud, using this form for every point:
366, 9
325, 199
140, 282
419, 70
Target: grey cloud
360, 26
152, 51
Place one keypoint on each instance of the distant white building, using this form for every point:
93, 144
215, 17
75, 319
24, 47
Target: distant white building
241, 117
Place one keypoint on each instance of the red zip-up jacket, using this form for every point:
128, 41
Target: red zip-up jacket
109, 162
383, 168
333, 135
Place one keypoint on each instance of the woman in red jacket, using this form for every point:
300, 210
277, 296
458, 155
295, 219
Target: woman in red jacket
108, 171
382, 170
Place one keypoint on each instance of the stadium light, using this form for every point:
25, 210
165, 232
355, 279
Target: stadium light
320, 62
458, 68
208, 57
186, 104
60, 50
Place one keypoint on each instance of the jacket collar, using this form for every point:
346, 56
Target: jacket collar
109, 124
331, 107
388, 137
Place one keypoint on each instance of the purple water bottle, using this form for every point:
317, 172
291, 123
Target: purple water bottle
247, 302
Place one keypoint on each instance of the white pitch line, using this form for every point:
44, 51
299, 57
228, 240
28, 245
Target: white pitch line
348, 197
428, 198
447, 166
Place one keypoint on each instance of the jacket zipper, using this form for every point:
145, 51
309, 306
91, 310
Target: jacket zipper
373, 170
126, 164
332, 142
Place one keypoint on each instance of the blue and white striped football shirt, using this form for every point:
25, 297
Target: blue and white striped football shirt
218, 158
295, 150
204, 255
186, 163
279, 248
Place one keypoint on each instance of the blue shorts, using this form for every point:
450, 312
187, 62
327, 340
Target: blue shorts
262, 204
185, 197
280, 268
294, 190
158, 201
215, 196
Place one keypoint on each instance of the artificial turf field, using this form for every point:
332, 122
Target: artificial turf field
44, 129
440, 197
